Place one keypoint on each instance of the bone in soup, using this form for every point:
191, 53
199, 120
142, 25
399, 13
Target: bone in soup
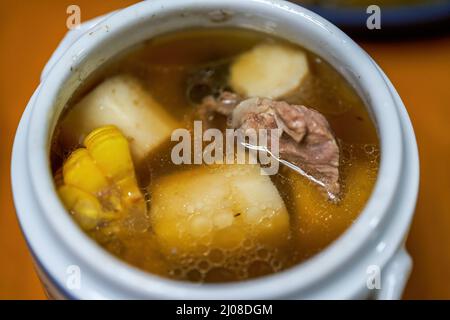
113, 167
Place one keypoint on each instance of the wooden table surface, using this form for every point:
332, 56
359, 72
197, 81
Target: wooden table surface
420, 70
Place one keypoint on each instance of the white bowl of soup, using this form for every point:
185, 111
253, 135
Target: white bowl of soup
108, 213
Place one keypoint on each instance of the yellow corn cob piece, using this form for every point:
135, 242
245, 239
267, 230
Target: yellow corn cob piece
85, 207
218, 207
111, 152
98, 182
58, 177
80, 171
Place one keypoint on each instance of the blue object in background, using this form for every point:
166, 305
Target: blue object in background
395, 17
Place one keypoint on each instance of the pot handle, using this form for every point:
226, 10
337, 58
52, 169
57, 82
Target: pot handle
70, 38
395, 276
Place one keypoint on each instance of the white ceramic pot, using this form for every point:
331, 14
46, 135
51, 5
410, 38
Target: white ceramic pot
376, 239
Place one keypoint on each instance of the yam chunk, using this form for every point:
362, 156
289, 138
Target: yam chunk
269, 70
123, 102
219, 207
319, 221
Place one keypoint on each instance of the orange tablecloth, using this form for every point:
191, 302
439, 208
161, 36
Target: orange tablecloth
420, 70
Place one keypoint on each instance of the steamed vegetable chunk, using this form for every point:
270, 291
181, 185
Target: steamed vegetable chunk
123, 102
269, 70
85, 207
217, 207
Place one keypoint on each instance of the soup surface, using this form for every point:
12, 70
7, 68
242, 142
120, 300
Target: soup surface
186, 231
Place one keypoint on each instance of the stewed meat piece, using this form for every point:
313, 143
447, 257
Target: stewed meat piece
306, 142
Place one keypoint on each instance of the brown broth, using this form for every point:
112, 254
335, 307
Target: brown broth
163, 64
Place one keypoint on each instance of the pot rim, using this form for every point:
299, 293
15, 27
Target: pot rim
308, 273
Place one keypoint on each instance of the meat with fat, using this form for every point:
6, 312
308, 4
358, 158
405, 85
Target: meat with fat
307, 141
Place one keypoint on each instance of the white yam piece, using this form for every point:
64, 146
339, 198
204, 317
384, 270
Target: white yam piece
123, 102
269, 70
217, 207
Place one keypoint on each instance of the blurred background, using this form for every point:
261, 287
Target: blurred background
404, 18
412, 47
